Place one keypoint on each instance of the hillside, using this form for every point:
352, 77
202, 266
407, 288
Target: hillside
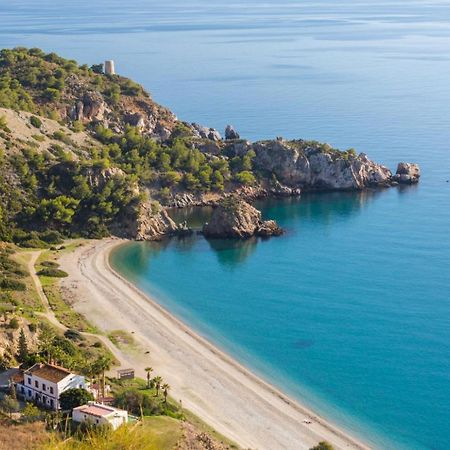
84, 153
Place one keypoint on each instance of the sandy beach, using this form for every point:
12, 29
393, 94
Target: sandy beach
210, 383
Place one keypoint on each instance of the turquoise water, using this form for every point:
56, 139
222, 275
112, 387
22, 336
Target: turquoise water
349, 310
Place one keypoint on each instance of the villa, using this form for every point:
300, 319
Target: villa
44, 383
97, 414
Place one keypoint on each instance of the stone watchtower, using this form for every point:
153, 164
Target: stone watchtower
109, 68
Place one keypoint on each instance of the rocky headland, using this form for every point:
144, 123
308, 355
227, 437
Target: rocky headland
93, 154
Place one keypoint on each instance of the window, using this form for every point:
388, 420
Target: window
36, 383
29, 393
52, 403
43, 386
29, 381
51, 390
22, 389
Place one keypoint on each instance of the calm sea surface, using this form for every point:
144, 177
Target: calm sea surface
350, 310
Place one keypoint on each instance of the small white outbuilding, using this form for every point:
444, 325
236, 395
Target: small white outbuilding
97, 414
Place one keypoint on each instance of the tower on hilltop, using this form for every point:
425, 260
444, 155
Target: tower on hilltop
109, 67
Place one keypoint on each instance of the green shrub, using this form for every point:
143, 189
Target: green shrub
51, 237
35, 121
322, 446
52, 94
4, 125
38, 137
73, 335
245, 177
52, 272
14, 324
74, 397
10, 284
34, 243
77, 126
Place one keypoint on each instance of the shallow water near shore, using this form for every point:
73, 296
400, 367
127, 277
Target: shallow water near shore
339, 312
350, 310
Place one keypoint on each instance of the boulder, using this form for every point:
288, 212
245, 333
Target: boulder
279, 190
231, 133
407, 173
235, 218
206, 133
94, 107
269, 228
214, 135
135, 120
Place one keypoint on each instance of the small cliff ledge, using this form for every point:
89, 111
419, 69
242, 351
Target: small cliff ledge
235, 218
153, 225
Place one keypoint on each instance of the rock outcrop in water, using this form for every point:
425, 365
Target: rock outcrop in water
235, 218
407, 173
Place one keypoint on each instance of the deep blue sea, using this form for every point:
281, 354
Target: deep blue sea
350, 310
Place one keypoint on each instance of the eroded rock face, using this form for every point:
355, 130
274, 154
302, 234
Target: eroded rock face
91, 107
151, 226
231, 133
304, 165
407, 173
135, 120
99, 177
235, 218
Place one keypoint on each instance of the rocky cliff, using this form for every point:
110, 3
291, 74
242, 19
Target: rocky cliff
311, 165
235, 218
151, 225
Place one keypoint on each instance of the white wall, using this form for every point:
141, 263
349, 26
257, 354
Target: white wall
115, 422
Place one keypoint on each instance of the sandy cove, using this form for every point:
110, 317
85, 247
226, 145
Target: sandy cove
210, 383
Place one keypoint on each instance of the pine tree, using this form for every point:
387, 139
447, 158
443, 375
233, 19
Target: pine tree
23, 347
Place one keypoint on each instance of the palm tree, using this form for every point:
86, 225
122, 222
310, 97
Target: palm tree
101, 366
157, 381
165, 388
149, 370
92, 372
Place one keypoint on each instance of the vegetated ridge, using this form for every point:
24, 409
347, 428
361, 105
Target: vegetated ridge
88, 154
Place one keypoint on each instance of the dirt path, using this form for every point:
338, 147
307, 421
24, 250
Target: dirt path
51, 317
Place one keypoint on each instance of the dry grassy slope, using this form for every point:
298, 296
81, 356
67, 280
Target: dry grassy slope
23, 134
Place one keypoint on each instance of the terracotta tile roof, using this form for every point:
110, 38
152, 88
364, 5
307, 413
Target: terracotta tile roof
96, 410
17, 378
49, 372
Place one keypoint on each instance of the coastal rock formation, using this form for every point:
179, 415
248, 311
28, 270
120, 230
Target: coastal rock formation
314, 166
235, 218
279, 190
151, 225
206, 133
407, 173
231, 133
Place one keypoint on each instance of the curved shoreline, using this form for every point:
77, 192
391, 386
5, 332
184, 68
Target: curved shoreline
228, 396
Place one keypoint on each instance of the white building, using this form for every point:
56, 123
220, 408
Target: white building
44, 383
97, 414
